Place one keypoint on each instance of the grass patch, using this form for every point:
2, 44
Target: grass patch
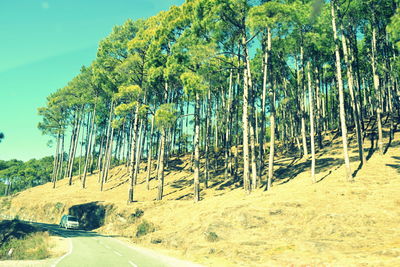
32, 247
5, 203
21, 241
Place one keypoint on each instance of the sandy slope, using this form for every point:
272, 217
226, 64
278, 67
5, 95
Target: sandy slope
330, 223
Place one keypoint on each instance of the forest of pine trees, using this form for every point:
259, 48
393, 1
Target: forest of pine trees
225, 81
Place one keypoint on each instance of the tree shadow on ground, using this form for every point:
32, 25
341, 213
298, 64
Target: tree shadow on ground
371, 150
218, 172
220, 182
181, 183
117, 174
335, 136
287, 173
118, 184
190, 196
185, 197
54, 230
391, 139
231, 183
395, 166
357, 170
175, 165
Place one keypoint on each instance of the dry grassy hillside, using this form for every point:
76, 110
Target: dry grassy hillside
330, 223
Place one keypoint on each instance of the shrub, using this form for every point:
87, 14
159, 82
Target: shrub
211, 236
136, 215
58, 206
5, 203
144, 228
156, 241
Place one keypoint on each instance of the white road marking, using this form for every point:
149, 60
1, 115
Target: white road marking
65, 255
131, 263
119, 254
107, 246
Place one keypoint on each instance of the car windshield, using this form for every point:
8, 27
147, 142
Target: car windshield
72, 219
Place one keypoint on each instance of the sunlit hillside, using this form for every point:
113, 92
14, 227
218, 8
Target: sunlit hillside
297, 222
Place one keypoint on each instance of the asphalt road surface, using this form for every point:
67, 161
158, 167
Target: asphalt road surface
89, 249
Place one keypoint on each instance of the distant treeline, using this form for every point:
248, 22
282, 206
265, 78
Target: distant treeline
16, 175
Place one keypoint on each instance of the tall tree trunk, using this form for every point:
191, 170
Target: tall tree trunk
81, 149
138, 152
101, 148
342, 113
128, 145
206, 140
56, 157
93, 152
71, 143
149, 154
160, 171
245, 121
74, 147
311, 102
263, 101
197, 149
356, 117
75, 144
88, 152
318, 102
62, 155
272, 136
108, 157
362, 101
158, 151
133, 149
392, 98
302, 105
254, 176
228, 169
377, 88
237, 110
108, 140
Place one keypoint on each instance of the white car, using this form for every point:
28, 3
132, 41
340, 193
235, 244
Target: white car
69, 222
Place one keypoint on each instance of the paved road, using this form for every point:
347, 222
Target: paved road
92, 249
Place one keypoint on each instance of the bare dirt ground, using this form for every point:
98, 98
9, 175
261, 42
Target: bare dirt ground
297, 223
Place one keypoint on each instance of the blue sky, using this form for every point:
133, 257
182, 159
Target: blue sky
43, 45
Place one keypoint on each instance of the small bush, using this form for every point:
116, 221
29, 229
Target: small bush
276, 212
211, 236
136, 215
144, 228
